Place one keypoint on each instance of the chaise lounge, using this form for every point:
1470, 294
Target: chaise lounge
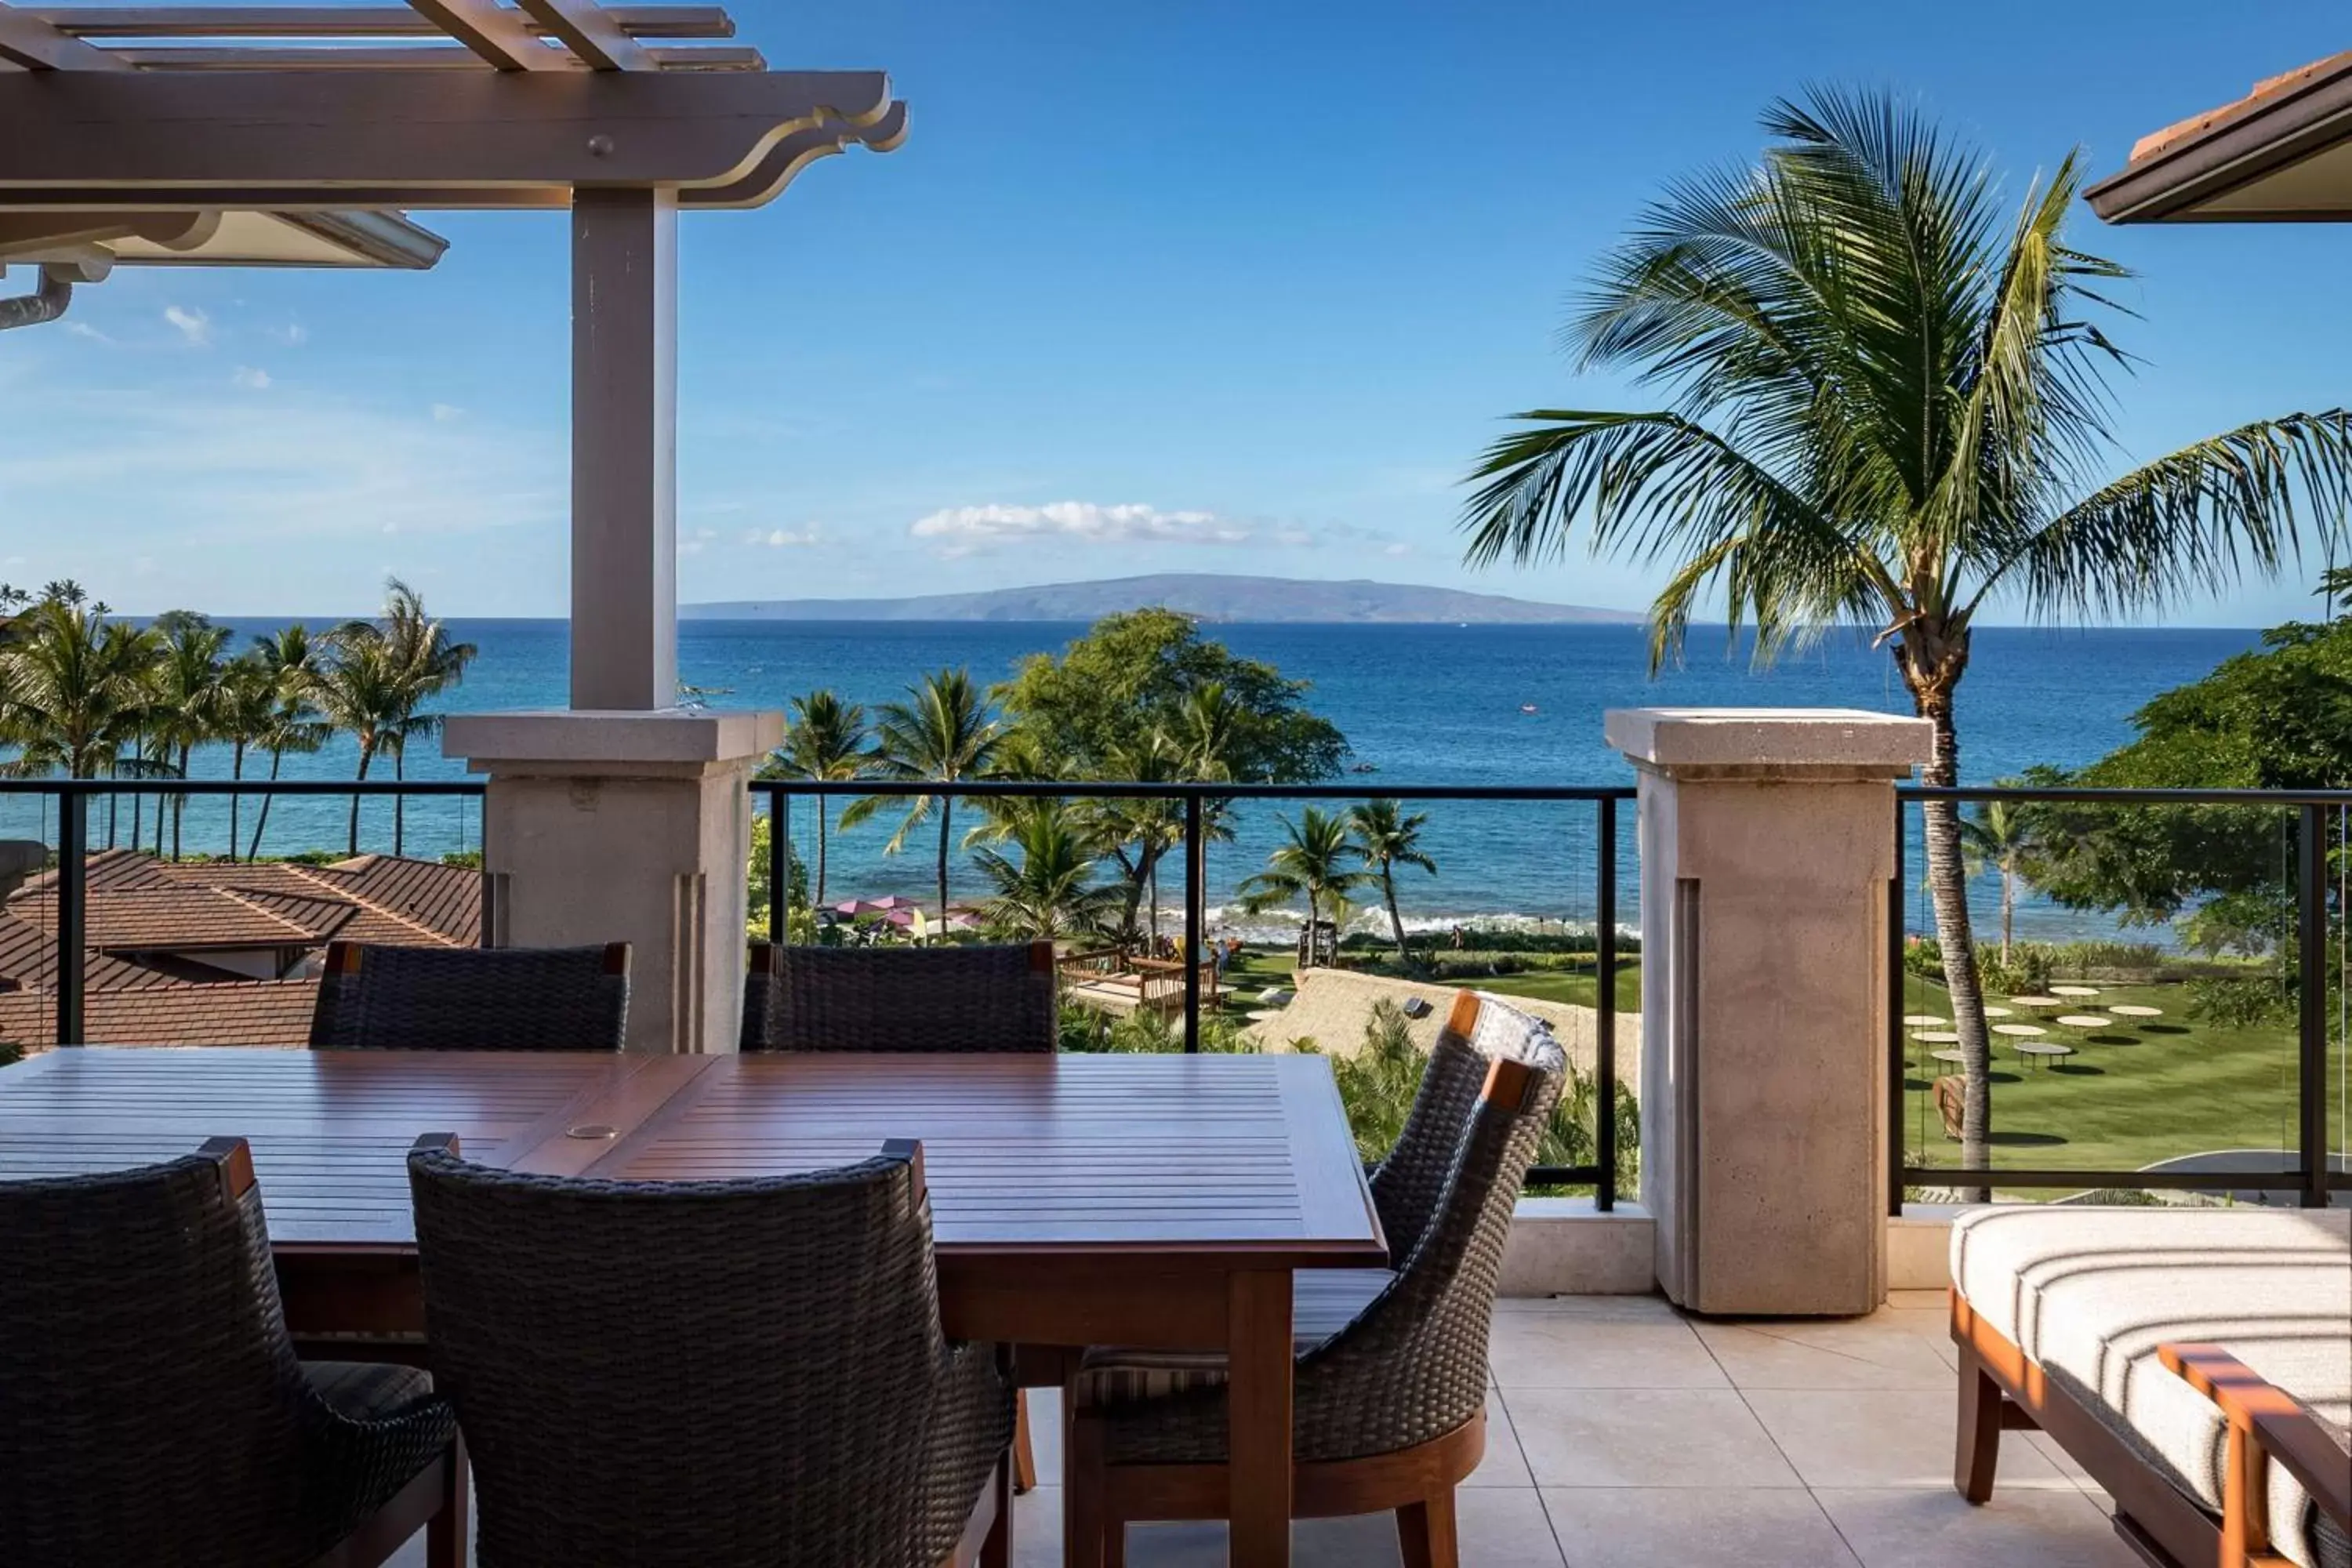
2197, 1362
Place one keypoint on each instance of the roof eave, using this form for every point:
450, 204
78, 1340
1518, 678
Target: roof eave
2272, 133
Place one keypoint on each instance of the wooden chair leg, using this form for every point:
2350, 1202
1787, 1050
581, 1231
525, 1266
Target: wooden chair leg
996, 1551
1024, 1456
1426, 1532
1977, 1449
449, 1534
1083, 1478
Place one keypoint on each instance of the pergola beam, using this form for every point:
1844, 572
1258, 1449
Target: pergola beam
401, 57
201, 134
33, 44
340, 21
491, 31
588, 33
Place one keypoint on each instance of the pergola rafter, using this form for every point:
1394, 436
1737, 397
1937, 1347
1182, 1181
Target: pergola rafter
301, 135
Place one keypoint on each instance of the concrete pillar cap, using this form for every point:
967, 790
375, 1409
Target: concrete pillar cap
1771, 742
669, 736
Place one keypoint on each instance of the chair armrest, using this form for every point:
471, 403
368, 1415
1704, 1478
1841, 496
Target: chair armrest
2280, 1427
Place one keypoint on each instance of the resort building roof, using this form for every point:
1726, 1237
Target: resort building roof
2282, 154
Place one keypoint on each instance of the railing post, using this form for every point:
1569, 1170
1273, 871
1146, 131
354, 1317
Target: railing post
2311, 921
1605, 1032
73, 845
780, 862
1895, 1074
1196, 919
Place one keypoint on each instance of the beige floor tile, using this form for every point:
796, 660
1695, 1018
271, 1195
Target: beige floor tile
1506, 1529
1933, 1325
1879, 1352
1366, 1541
1037, 1529
2047, 1447
1504, 1465
1636, 1309
1565, 1351
1640, 1527
2022, 1529
1874, 1438
1923, 1300
1643, 1438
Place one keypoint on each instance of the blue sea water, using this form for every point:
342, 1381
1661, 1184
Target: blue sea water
1422, 704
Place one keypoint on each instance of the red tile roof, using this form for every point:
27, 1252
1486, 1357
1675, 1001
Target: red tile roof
225, 1013
2269, 88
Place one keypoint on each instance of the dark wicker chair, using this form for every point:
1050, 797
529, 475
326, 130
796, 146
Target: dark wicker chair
1388, 1407
759, 995
910, 999
472, 998
709, 1374
152, 1409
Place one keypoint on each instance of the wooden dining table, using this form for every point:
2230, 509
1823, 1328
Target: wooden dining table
1140, 1200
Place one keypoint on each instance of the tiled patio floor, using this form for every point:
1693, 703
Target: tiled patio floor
1623, 1434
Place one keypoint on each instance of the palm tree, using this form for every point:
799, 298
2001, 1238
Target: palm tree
426, 663
2003, 834
360, 691
288, 665
1050, 892
1387, 837
1139, 833
826, 742
1884, 403
189, 699
946, 732
75, 688
1316, 860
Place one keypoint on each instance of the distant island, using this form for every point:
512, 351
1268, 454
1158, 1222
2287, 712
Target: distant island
1208, 596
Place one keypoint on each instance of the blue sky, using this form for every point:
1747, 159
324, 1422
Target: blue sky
1216, 286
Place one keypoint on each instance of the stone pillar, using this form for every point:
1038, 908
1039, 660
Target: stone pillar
1766, 844
624, 450
632, 828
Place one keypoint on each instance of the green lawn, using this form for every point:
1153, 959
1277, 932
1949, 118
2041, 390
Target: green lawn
2130, 1096
1580, 987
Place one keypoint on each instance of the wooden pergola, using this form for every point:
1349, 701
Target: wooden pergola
301, 135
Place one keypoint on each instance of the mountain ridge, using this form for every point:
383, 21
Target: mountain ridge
1208, 596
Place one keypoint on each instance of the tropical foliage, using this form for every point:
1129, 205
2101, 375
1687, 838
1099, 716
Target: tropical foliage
1884, 402
87, 694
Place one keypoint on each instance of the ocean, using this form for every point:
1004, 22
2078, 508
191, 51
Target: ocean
1419, 704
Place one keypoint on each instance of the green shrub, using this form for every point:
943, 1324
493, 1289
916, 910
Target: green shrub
2239, 1004
1924, 958
2027, 970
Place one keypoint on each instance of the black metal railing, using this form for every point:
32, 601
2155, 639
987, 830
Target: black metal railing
1197, 799
71, 798
2313, 1176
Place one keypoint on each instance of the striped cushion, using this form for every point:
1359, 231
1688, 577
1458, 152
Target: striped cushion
1322, 1302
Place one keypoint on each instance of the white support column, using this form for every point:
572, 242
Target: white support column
1767, 843
624, 450
630, 827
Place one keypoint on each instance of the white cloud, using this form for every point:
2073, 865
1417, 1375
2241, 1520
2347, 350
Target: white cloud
1400, 548
783, 538
446, 413
84, 329
194, 325
963, 529
293, 335
250, 378
696, 543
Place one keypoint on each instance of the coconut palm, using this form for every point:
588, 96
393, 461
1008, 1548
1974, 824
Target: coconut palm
288, 663
1885, 402
362, 692
943, 734
1316, 860
75, 688
2004, 834
1139, 832
189, 701
426, 663
249, 705
1387, 836
825, 741
1049, 892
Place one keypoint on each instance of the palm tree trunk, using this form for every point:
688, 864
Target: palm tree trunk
179, 804
138, 822
367, 755
820, 855
1155, 903
399, 821
236, 775
1396, 920
1948, 885
2008, 910
947, 809
253, 850
1314, 919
